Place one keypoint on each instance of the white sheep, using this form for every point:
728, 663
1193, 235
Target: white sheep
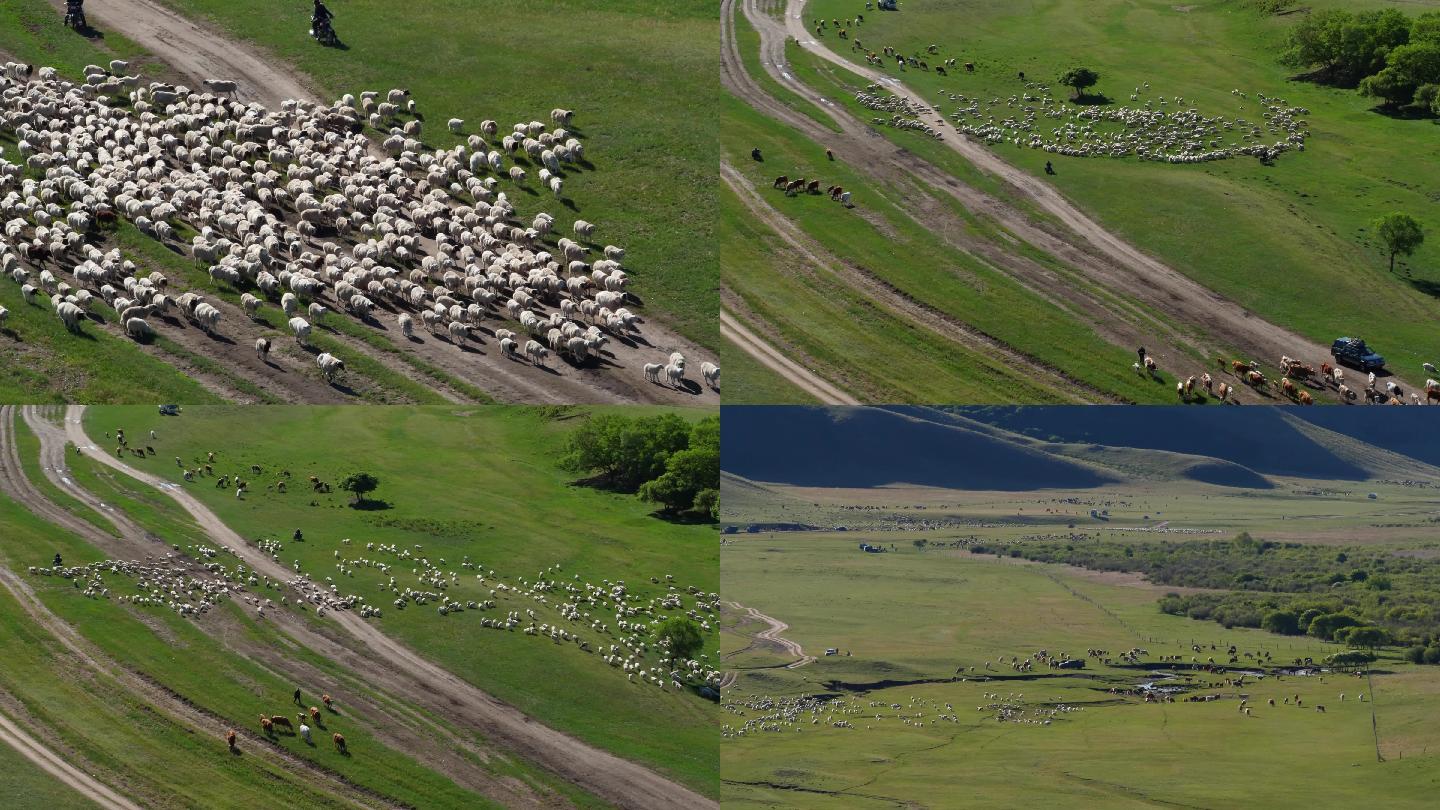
262, 349
652, 372
138, 328
301, 328
330, 365
711, 373
456, 125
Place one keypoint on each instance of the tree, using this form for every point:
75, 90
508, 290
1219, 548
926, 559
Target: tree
1366, 638
690, 472
359, 484
1400, 233
919, 544
1281, 621
1326, 624
682, 635
1408, 68
626, 452
1416, 654
1079, 78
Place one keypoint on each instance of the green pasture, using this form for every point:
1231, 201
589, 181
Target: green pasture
1290, 241
480, 483
912, 622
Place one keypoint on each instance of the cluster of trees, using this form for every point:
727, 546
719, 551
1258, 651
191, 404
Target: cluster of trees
663, 459
1384, 53
1362, 597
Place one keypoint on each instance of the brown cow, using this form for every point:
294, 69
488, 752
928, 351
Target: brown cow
969, 67
813, 187
1255, 378
327, 700
282, 720
339, 741
836, 192
266, 725
230, 739
1306, 399
1240, 367
781, 181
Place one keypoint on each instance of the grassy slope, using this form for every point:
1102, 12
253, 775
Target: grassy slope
640, 75
26, 787
917, 261
179, 654
495, 461
1120, 756
1290, 241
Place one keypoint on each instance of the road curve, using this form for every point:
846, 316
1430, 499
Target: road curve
771, 633
619, 781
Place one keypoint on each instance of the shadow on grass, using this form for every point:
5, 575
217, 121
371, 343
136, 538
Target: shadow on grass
370, 505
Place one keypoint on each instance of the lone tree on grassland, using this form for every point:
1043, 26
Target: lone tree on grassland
683, 635
1400, 233
359, 484
1080, 78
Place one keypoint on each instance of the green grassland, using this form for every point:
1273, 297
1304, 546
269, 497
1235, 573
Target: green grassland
481, 483
907, 363
909, 622
1290, 241
183, 657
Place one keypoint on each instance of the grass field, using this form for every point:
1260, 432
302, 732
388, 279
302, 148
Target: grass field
902, 362
905, 621
186, 658
497, 462
928, 689
1290, 241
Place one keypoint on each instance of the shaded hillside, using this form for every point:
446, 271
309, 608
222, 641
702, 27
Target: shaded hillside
868, 447
1266, 440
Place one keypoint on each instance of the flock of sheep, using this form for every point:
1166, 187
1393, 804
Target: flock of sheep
299, 207
1162, 129
605, 618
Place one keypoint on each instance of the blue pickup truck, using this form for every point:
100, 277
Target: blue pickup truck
1354, 353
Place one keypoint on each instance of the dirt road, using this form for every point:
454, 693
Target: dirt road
198, 52
900, 304
771, 633
617, 780
1127, 270
775, 360
50, 762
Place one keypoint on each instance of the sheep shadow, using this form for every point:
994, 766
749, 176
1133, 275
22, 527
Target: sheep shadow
347, 391
690, 387
216, 337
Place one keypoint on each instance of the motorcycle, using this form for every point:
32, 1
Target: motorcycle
75, 16
324, 32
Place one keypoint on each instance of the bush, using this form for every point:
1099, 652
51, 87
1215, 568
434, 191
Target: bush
1432, 655
1281, 621
1415, 655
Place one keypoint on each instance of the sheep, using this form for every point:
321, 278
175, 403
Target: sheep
262, 349
459, 332
675, 374
301, 328
584, 229
330, 366
225, 86
70, 315
407, 324
535, 352
138, 329
456, 125
652, 372
711, 373
250, 303
316, 312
